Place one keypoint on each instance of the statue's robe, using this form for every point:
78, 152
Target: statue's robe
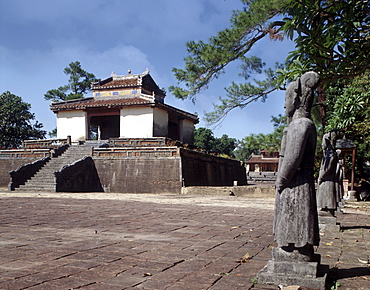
339, 183
296, 220
327, 187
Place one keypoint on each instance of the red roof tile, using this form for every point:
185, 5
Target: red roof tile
116, 84
82, 104
260, 159
91, 103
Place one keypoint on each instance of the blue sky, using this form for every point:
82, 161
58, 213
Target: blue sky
39, 38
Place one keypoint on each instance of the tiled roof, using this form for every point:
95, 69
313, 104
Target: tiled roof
185, 114
116, 84
81, 104
260, 159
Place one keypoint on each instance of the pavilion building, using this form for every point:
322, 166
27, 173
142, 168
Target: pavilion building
129, 106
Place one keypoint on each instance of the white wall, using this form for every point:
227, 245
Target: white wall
136, 122
72, 123
160, 123
187, 131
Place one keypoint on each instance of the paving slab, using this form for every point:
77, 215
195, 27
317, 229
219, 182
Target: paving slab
144, 241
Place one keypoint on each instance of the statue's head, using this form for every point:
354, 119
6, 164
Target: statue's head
299, 94
334, 134
310, 80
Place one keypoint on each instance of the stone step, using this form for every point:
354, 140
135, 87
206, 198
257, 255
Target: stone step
44, 179
37, 186
51, 189
41, 180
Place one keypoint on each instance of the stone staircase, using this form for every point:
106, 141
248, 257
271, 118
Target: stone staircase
266, 177
44, 180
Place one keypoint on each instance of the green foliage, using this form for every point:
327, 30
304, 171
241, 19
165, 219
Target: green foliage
206, 61
254, 143
224, 145
78, 84
349, 111
240, 95
348, 103
254, 280
331, 37
16, 122
204, 138
53, 133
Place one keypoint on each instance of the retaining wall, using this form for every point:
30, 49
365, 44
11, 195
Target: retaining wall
139, 175
152, 170
200, 169
9, 164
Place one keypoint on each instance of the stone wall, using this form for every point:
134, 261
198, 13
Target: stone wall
152, 170
81, 176
164, 171
9, 164
139, 174
200, 169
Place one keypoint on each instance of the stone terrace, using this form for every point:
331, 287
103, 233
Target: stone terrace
127, 241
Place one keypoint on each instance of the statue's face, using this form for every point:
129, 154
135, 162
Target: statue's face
290, 99
289, 106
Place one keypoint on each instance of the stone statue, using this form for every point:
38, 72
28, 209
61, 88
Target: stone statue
296, 221
339, 180
327, 185
296, 227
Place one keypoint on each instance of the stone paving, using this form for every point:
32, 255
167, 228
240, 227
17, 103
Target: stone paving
126, 241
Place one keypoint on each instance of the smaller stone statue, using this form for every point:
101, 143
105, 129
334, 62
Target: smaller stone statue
327, 185
339, 180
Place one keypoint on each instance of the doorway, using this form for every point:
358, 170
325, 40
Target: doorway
104, 127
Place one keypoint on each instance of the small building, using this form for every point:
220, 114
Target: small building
264, 162
129, 106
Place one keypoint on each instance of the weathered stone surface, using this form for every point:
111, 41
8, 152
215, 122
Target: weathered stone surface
327, 222
150, 174
204, 169
296, 277
327, 190
296, 227
9, 164
296, 219
279, 254
140, 175
81, 176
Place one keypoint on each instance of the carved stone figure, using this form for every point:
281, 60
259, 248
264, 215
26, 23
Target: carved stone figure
327, 193
296, 227
296, 222
339, 179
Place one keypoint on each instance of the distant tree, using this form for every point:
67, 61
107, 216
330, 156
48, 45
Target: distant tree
205, 139
78, 84
17, 123
254, 143
53, 133
225, 145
